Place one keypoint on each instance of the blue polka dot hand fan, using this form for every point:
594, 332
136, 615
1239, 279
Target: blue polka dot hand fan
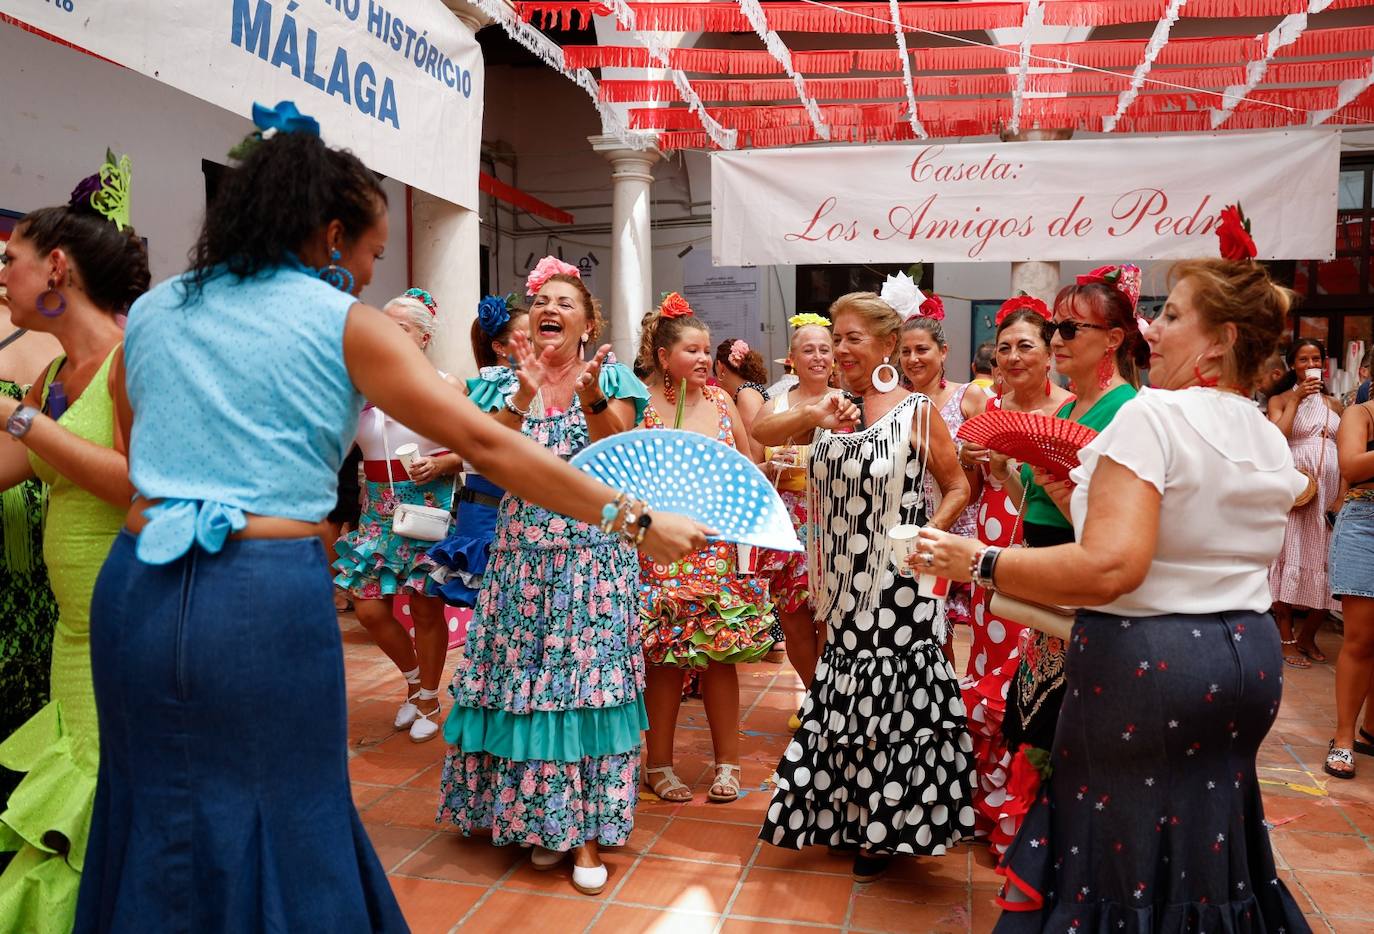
688, 473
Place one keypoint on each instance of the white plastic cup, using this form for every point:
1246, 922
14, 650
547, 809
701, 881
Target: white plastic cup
407, 453
903, 539
1314, 373
748, 559
932, 587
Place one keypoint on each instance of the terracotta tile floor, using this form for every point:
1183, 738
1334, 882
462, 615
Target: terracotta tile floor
699, 867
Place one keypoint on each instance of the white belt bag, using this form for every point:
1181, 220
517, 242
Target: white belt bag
423, 523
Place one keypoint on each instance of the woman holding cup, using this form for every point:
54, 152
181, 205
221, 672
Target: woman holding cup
882, 762
375, 564
1309, 417
813, 353
1152, 817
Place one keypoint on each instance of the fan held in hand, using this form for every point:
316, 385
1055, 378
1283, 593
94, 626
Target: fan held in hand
1051, 444
688, 473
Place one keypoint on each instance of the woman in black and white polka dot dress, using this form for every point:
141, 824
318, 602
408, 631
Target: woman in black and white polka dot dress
882, 763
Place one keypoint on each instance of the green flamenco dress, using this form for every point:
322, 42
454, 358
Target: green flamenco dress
28, 610
48, 815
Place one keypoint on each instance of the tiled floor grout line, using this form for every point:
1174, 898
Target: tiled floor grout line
739, 887
491, 889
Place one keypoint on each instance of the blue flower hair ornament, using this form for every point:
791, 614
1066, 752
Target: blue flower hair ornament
283, 118
493, 314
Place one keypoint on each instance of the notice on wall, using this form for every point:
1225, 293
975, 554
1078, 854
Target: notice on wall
398, 83
1093, 199
728, 298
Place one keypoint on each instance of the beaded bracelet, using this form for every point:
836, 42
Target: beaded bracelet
611, 512
510, 407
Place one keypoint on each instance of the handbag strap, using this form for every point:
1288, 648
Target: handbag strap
386, 442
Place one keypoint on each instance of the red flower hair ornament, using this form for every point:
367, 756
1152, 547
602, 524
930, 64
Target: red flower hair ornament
674, 306
933, 307
1233, 230
1125, 279
1020, 302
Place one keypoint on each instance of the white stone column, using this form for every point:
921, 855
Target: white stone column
445, 239
631, 293
446, 254
1036, 278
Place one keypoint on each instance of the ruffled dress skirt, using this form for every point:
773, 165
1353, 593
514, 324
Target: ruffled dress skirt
1152, 819
785, 571
545, 729
374, 562
461, 559
882, 759
700, 609
224, 801
1003, 789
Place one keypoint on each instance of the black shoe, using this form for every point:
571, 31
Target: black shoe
868, 868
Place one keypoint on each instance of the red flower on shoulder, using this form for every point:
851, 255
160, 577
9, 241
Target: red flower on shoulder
1233, 230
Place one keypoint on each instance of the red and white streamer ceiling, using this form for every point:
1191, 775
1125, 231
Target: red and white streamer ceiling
940, 75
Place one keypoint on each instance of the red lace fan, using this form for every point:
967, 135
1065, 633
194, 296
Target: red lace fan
1051, 444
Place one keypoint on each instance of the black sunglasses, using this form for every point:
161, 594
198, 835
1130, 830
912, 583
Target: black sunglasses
1068, 329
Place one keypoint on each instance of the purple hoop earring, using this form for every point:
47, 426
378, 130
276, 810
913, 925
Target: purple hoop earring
55, 311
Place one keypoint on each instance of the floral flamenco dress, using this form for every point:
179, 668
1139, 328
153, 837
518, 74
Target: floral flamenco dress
374, 562
700, 609
28, 611
48, 817
548, 708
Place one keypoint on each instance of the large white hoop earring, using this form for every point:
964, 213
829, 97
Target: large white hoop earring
882, 383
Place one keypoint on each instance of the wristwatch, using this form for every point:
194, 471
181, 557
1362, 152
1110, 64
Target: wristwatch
599, 406
21, 421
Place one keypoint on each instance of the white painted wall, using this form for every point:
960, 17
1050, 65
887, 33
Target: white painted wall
60, 109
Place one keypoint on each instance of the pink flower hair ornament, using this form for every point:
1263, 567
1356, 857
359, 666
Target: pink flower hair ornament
546, 269
738, 351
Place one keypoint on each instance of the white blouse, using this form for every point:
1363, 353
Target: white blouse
1227, 481
374, 443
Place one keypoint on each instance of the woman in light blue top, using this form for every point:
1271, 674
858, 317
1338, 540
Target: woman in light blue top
223, 800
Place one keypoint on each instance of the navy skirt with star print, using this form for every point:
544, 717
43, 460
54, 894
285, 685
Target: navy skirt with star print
1152, 819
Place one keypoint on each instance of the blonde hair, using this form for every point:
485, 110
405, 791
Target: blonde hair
1240, 293
417, 313
878, 315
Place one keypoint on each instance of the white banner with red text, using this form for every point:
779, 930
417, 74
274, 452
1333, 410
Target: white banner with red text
1118, 198
398, 83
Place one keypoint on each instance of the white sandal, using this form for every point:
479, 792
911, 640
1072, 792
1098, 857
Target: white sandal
589, 880
669, 782
407, 713
422, 728
544, 859
727, 777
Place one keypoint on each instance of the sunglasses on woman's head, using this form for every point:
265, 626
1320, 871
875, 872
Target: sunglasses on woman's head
1068, 329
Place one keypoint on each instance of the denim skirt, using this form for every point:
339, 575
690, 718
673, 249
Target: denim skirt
223, 801
1352, 550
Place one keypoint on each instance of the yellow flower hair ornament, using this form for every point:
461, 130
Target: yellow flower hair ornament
808, 318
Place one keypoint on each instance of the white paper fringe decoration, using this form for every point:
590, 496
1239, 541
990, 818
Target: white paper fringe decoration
1158, 40
779, 50
1288, 31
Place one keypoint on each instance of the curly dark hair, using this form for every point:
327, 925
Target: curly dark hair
284, 190
112, 263
751, 368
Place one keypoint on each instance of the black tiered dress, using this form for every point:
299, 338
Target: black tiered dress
882, 759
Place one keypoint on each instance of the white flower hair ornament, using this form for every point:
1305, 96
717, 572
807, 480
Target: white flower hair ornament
900, 291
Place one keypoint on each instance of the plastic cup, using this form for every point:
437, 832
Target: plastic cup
407, 453
932, 587
903, 540
748, 559
1314, 373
